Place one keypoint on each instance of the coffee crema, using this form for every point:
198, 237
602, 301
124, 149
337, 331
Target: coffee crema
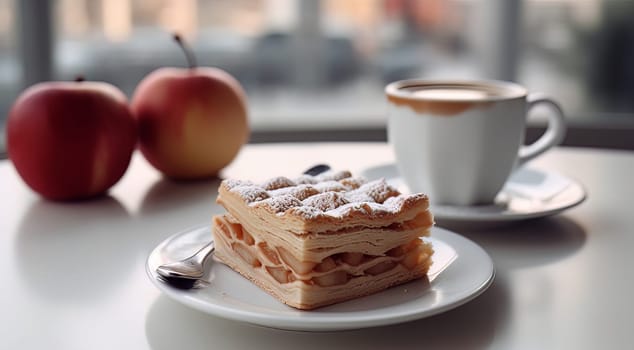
447, 99
450, 94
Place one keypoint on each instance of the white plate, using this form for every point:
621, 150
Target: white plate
460, 272
528, 194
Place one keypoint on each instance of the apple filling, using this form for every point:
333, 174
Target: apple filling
334, 270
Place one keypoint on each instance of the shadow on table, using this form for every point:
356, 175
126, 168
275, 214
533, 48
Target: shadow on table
66, 251
170, 325
168, 196
169, 206
530, 243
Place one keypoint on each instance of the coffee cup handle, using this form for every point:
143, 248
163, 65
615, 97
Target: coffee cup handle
555, 131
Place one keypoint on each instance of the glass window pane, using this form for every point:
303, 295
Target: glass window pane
581, 52
324, 63
303, 63
9, 69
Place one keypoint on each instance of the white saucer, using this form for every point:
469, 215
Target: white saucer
529, 193
460, 272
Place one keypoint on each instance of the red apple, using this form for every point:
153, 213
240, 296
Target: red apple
192, 121
71, 140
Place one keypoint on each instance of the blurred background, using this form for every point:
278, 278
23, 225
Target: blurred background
315, 69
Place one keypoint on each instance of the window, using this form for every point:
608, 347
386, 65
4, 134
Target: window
9, 68
310, 64
582, 52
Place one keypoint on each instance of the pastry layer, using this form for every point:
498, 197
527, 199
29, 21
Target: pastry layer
319, 204
339, 276
348, 214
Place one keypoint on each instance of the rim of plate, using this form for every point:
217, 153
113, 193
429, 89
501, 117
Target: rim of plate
298, 320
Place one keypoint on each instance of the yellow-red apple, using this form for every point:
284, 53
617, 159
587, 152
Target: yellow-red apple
192, 121
71, 140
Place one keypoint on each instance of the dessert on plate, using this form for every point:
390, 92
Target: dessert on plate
318, 240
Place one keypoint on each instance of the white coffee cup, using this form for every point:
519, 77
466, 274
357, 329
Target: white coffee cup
459, 141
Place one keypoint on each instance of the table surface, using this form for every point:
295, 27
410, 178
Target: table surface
73, 273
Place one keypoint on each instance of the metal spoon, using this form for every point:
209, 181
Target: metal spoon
187, 272
184, 273
317, 169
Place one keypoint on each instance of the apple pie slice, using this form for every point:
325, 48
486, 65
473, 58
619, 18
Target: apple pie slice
318, 240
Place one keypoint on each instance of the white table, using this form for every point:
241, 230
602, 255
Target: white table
73, 274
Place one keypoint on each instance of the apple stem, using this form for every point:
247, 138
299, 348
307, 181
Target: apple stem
189, 54
79, 78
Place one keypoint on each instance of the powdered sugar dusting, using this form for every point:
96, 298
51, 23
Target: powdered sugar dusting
394, 202
231, 183
379, 190
330, 186
307, 213
333, 175
251, 193
280, 204
357, 196
325, 201
305, 180
352, 182
333, 194
300, 192
278, 182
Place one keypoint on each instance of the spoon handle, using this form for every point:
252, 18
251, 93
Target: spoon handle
202, 254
